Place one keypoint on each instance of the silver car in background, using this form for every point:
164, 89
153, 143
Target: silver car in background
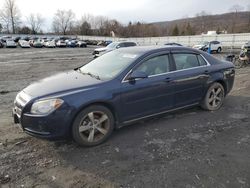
112, 46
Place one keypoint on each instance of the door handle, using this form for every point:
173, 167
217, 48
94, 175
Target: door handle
206, 72
168, 79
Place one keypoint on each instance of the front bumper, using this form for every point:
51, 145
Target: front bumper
52, 126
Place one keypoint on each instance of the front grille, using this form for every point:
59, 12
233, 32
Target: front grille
21, 100
96, 52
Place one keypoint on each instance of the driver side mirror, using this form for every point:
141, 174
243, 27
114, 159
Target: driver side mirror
117, 47
137, 74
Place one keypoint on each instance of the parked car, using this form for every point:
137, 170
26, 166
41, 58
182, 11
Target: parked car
10, 43
1, 44
81, 44
246, 46
5, 38
71, 44
173, 44
37, 44
112, 46
24, 44
214, 45
61, 43
27, 38
16, 39
119, 88
50, 44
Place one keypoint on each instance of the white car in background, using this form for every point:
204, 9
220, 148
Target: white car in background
214, 45
61, 43
24, 44
112, 46
50, 44
10, 44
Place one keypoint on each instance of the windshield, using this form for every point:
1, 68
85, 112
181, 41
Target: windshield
108, 65
204, 43
112, 45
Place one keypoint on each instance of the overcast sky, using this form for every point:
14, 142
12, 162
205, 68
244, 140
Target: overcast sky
128, 10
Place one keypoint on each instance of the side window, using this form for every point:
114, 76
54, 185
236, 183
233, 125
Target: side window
128, 44
155, 65
121, 45
132, 44
185, 61
201, 61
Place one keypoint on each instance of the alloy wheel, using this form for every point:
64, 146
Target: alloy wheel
215, 97
94, 126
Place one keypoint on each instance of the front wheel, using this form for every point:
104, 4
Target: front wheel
214, 97
238, 63
93, 125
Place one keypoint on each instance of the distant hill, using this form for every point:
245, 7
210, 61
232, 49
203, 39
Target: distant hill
230, 22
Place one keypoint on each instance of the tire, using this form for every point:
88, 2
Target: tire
238, 63
93, 126
214, 97
218, 50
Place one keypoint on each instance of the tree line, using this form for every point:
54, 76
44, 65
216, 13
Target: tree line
65, 23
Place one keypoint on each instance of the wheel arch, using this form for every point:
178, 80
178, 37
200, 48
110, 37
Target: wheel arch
223, 83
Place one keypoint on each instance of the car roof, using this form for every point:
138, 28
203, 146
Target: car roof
147, 49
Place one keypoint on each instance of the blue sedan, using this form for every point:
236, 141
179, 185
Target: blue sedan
120, 88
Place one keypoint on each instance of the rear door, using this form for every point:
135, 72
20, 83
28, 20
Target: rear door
191, 76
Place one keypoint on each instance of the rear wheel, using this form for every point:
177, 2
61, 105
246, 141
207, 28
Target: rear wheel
218, 50
93, 126
214, 97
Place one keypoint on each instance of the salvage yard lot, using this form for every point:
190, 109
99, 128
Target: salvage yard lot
190, 148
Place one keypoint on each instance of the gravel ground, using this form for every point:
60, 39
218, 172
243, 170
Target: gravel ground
191, 148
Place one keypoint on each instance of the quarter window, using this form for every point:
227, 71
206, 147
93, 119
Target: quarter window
155, 65
185, 61
201, 61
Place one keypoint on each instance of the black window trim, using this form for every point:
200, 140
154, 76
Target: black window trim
147, 58
171, 61
186, 52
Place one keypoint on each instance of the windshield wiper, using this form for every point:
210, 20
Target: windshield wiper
94, 76
90, 74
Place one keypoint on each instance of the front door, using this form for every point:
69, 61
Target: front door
143, 97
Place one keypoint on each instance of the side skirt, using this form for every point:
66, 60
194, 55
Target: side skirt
156, 114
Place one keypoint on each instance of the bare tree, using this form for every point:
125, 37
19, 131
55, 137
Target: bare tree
248, 9
5, 21
35, 22
10, 15
63, 21
201, 16
235, 9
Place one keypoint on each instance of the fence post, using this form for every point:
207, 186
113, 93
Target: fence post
233, 42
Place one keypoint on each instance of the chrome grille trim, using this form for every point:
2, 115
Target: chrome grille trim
21, 100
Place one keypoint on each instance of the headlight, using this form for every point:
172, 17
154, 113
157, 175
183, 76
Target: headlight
46, 106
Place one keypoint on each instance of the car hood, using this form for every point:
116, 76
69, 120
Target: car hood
101, 49
59, 83
199, 46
